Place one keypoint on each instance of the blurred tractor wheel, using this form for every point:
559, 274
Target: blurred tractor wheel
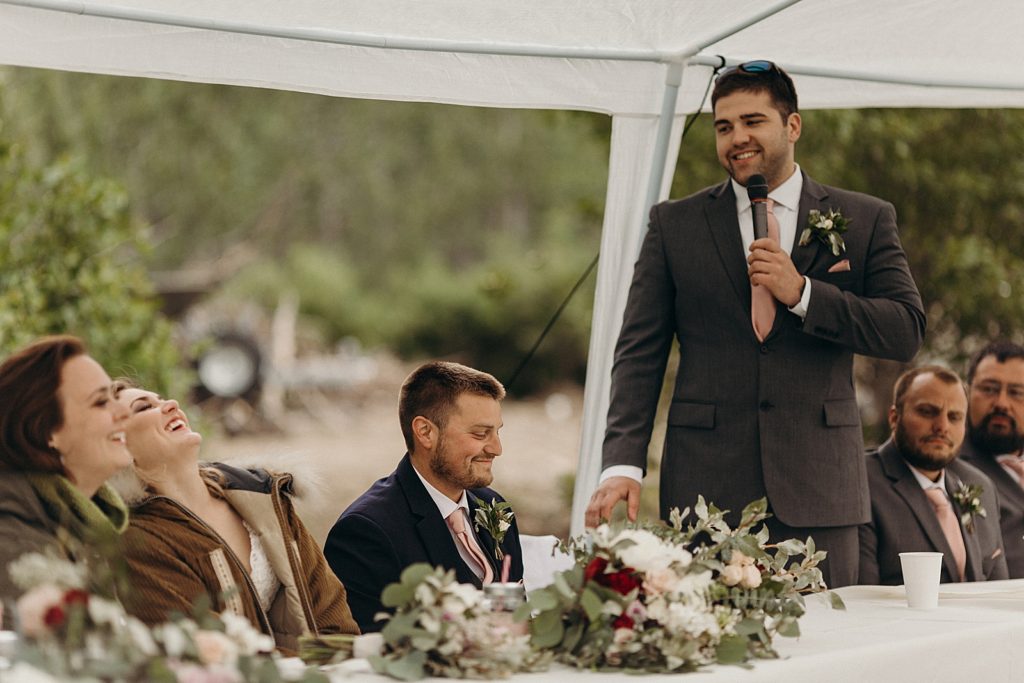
230, 368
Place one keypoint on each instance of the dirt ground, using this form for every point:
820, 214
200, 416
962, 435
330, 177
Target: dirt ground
337, 446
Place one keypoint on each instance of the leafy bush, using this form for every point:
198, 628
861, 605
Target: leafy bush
70, 253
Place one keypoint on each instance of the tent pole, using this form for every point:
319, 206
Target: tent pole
673, 77
620, 244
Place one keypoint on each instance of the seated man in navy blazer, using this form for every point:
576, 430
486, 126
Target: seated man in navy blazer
923, 499
424, 510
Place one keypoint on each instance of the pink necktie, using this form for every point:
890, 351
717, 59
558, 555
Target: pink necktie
762, 303
457, 524
950, 527
1014, 463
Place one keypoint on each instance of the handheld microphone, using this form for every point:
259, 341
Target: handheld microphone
757, 191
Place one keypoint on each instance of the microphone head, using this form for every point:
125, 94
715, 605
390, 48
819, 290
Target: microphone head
757, 187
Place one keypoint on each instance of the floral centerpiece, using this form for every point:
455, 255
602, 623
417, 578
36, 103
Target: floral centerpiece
72, 634
444, 628
667, 598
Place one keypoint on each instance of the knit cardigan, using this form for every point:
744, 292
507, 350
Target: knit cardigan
174, 558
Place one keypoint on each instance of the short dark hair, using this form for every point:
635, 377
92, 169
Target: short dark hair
904, 381
433, 389
30, 410
1002, 349
774, 81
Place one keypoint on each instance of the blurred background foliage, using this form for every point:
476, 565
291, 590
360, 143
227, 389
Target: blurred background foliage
451, 231
69, 252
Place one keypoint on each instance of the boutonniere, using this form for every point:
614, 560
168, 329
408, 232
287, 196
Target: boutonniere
828, 228
496, 519
968, 499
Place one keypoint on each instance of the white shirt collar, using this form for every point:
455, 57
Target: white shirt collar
786, 195
927, 483
445, 505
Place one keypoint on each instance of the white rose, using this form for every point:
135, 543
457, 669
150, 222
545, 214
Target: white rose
503, 526
827, 224
751, 577
732, 575
215, 647
367, 645
33, 606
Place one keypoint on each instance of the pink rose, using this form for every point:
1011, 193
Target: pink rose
214, 647
751, 577
34, 606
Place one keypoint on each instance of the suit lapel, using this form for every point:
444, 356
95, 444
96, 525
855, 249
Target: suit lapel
906, 486
812, 196
724, 226
430, 527
973, 570
1006, 485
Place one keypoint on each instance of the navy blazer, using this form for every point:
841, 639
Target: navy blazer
902, 520
395, 524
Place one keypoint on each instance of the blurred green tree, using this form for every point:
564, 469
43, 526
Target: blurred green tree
69, 251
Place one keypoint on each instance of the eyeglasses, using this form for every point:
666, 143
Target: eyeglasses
752, 68
994, 389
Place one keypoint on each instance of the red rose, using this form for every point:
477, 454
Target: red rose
595, 568
622, 621
54, 617
622, 582
76, 596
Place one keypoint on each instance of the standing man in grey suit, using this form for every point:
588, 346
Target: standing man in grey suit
919, 502
995, 437
770, 413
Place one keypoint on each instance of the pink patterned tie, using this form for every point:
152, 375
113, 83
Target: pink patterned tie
762, 303
1014, 463
457, 524
950, 527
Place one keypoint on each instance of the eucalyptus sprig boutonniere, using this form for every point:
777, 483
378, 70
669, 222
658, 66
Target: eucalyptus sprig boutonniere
968, 499
828, 228
496, 519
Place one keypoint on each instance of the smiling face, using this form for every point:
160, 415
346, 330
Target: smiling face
752, 137
460, 456
929, 427
91, 440
157, 432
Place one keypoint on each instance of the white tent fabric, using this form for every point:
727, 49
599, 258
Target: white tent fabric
610, 56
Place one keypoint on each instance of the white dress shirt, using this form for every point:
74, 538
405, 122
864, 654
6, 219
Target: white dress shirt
447, 506
786, 198
927, 483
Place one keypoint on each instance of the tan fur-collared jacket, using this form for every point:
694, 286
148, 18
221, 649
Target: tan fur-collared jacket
174, 557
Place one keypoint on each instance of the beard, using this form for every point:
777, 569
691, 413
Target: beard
920, 459
995, 443
463, 477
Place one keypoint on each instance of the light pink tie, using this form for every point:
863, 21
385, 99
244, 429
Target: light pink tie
1014, 463
457, 523
950, 527
762, 303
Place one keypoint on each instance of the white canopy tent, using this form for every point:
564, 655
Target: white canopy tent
646, 63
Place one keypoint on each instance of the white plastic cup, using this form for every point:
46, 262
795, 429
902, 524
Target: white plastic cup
921, 579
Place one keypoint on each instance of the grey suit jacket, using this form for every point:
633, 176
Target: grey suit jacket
902, 520
748, 419
1011, 505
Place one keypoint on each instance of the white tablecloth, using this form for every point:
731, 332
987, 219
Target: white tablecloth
975, 636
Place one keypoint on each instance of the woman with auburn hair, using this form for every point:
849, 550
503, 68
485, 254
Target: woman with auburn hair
61, 438
218, 532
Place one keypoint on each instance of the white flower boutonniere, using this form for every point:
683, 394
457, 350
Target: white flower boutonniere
496, 519
968, 499
828, 228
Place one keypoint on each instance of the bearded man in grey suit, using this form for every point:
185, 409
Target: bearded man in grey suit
916, 480
995, 437
770, 413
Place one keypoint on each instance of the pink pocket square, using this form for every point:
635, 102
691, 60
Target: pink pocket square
840, 266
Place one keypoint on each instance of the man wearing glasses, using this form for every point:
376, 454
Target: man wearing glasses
995, 437
763, 403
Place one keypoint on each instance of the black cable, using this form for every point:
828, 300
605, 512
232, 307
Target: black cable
565, 302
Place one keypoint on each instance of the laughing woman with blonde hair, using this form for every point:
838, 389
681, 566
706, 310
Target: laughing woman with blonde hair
225, 534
